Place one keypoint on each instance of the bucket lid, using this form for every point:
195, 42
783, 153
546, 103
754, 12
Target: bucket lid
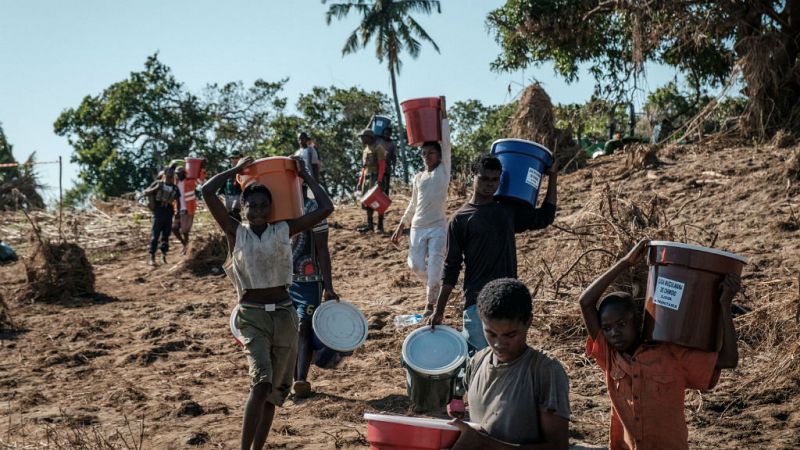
698, 248
434, 351
524, 141
339, 325
237, 335
423, 422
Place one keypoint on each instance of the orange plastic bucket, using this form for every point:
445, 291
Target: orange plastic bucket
279, 175
376, 199
423, 120
193, 167
683, 290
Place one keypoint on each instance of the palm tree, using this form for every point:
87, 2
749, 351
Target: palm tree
390, 24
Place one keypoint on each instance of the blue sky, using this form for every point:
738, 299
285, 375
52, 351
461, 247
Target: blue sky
55, 52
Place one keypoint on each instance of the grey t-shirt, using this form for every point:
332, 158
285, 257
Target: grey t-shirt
507, 398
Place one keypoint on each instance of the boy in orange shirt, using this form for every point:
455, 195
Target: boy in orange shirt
646, 381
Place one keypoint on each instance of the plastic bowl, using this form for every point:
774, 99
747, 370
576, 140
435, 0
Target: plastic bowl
386, 432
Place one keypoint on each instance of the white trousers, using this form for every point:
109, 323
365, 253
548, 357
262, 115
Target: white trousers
426, 252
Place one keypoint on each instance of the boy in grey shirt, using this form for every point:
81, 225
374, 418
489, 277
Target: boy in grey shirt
518, 395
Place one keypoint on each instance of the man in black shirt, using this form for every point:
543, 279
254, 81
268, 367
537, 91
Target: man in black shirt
481, 235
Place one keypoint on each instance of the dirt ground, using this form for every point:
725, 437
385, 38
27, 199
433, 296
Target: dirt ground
148, 361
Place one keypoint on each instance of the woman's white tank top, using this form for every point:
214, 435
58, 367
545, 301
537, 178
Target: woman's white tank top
258, 263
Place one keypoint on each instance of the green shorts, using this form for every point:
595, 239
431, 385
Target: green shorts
270, 343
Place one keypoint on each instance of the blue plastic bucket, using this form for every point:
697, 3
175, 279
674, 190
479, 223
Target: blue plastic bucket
524, 164
380, 124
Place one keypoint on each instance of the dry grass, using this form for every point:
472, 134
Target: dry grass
57, 272
68, 431
207, 254
534, 120
7, 324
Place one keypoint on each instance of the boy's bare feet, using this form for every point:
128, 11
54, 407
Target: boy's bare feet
151, 260
163, 258
428, 310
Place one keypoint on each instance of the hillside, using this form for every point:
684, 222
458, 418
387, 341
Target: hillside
150, 359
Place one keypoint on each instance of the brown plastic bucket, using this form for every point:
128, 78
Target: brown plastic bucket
683, 290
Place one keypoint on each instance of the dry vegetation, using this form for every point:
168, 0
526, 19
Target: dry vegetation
534, 121
154, 350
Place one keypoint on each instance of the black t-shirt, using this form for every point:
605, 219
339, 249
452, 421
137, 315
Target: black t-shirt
482, 237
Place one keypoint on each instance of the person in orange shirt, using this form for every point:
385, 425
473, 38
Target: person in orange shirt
187, 206
646, 381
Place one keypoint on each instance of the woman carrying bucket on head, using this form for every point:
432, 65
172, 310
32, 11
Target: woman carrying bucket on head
426, 213
260, 265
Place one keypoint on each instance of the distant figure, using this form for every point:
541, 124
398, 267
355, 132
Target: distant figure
232, 192
313, 144
517, 394
312, 283
161, 193
661, 131
614, 144
260, 266
373, 169
612, 125
481, 236
646, 381
187, 206
426, 214
391, 159
308, 153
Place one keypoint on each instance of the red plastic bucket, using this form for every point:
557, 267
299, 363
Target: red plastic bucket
376, 199
386, 432
279, 175
193, 167
423, 120
683, 290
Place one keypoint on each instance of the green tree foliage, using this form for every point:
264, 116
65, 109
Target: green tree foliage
22, 178
123, 136
590, 120
334, 116
241, 118
78, 195
7, 157
391, 25
474, 127
672, 104
703, 39
126, 134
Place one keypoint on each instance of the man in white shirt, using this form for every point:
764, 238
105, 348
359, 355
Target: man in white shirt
427, 215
